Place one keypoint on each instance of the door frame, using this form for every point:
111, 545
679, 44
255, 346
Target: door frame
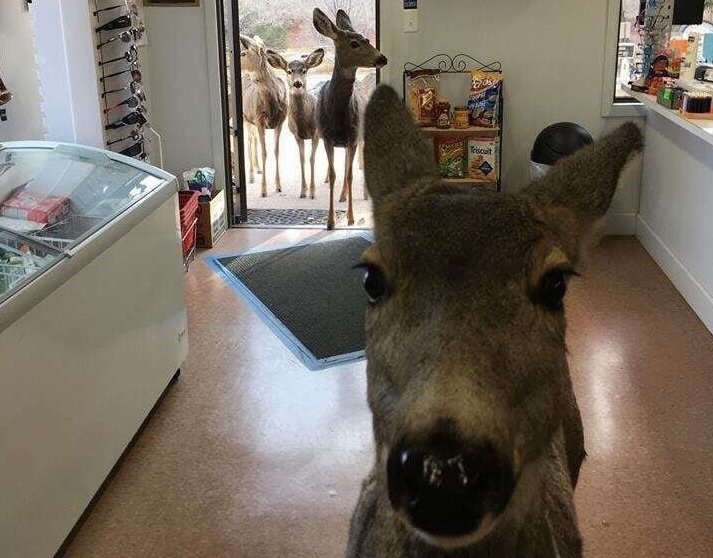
236, 194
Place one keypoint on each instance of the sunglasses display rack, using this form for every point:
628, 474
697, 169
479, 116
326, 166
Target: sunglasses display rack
118, 30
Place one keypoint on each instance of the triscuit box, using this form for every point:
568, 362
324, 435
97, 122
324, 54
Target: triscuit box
212, 220
484, 158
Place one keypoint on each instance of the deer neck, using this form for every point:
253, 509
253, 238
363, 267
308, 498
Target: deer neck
263, 74
341, 85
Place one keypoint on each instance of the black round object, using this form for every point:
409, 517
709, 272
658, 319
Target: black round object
558, 141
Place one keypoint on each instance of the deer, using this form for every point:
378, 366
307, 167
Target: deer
248, 65
478, 437
264, 102
337, 103
301, 112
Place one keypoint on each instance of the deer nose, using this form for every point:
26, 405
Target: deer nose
297, 84
448, 491
381, 61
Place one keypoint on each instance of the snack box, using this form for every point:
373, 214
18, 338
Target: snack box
33, 206
483, 158
450, 157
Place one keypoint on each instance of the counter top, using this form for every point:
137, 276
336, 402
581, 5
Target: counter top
700, 128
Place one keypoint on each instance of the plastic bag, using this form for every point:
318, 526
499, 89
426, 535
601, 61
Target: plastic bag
200, 180
484, 98
422, 94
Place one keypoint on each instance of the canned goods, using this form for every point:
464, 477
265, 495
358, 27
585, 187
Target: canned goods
460, 118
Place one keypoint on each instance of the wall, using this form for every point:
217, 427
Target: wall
552, 54
19, 72
67, 71
676, 208
178, 85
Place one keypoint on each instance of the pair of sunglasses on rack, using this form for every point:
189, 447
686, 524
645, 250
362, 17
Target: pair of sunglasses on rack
120, 22
132, 102
133, 68
135, 135
134, 86
115, 7
5, 94
133, 34
136, 118
133, 150
131, 56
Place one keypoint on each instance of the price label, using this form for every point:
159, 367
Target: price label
410, 4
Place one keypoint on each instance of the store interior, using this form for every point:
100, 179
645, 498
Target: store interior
202, 359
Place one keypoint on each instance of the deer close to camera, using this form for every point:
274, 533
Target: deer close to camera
337, 104
264, 102
478, 436
301, 118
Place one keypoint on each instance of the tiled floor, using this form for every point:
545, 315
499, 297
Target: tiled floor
251, 456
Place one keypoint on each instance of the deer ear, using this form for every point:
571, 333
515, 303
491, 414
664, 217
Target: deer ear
324, 25
343, 21
315, 59
395, 154
276, 60
246, 41
578, 190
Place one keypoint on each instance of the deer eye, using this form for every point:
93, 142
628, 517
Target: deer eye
552, 288
354, 44
374, 283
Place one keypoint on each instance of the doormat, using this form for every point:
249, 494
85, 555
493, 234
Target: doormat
308, 294
290, 217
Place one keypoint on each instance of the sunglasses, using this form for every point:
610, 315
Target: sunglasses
134, 135
131, 102
117, 23
133, 68
133, 34
133, 150
133, 118
134, 86
131, 55
110, 8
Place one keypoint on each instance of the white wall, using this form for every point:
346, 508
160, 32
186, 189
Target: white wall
676, 220
67, 71
178, 85
552, 54
19, 72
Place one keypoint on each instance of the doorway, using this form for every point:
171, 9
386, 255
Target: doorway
287, 29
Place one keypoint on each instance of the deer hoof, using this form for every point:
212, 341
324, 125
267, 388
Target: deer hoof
342, 198
330, 226
264, 194
303, 196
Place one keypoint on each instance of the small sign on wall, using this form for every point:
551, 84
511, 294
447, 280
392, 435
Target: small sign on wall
410, 4
173, 3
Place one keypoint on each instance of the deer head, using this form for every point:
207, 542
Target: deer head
351, 49
253, 55
296, 70
467, 373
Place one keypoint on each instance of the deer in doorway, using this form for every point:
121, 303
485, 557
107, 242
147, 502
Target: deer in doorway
301, 118
337, 104
264, 103
478, 437
248, 65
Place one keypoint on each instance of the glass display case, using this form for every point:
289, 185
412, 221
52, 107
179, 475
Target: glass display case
55, 196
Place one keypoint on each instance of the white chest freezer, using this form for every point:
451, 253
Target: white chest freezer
92, 327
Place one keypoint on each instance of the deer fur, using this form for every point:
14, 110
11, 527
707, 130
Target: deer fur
264, 102
337, 105
461, 337
301, 118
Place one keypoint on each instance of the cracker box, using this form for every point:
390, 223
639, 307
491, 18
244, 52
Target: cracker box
483, 158
450, 157
33, 206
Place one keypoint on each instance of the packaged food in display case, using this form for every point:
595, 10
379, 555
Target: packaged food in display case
484, 158
484, 98
29, 205
450, 157
422, 95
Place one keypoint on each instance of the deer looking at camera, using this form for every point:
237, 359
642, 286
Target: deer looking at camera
337, 104
478, 436
264, 102
301, 112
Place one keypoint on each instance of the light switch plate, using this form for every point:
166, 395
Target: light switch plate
410, 21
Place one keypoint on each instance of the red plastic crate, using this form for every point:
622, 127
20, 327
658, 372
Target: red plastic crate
188, 240
187, 209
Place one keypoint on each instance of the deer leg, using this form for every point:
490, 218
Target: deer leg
253, 138
251, 155
301, 145
343, 195
263, 147
348, 175
360, 154
278, 186
315, 145
329, 148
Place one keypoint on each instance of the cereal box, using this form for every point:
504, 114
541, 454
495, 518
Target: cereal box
484, 158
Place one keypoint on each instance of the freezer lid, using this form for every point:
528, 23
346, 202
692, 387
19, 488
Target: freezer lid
61, 194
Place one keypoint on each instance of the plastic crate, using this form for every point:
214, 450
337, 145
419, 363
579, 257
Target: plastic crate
188, 243
187, 209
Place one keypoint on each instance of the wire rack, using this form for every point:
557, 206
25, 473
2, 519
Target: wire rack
460, 64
